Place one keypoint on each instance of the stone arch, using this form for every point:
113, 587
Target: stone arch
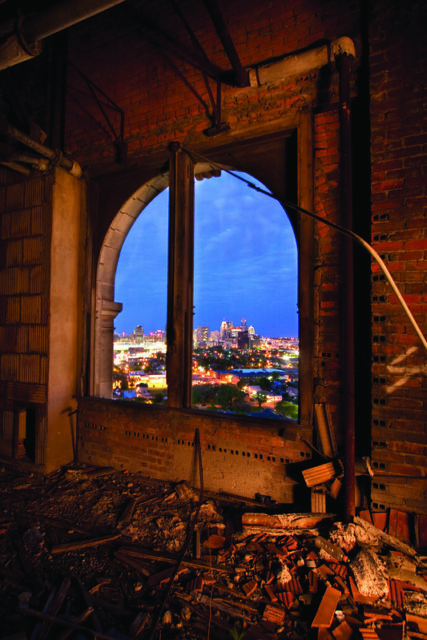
106, 308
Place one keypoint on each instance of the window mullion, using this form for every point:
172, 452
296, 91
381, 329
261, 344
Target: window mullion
180, 278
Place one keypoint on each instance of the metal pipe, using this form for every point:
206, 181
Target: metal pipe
61, 16
22, 41
15, 166
56, 157
347, 298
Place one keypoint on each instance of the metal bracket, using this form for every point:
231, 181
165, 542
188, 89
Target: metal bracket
103, 102
218, 126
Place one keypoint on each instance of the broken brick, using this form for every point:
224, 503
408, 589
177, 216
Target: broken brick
271, 592
274, 613
326, 610
250, 587
369, 634
343, 631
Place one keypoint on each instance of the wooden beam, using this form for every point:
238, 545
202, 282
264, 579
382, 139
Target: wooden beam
179, 329
241, 75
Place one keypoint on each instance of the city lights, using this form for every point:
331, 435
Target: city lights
234, 369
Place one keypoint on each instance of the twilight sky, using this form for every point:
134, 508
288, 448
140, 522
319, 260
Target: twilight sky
245, 263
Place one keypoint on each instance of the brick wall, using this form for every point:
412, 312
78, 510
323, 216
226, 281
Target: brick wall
239, 456
327, 361
24, 300
398, 148
159, 106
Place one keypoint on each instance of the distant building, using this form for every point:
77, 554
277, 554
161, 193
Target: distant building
225, 330
243, 338
202, 336
139, 334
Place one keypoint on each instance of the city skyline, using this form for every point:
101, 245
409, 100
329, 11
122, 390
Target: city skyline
245, 262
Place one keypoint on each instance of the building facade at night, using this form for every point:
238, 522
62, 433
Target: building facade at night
324, 102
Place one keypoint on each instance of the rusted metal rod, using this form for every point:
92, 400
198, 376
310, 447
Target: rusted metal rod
347, 298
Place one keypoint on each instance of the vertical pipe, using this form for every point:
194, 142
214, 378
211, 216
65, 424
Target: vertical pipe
347, 300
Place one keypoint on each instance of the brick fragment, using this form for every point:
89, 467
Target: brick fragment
313, 582
196, 585
271, 592
369, 634
286, 597
343, 631
274, 613
398, 525
326, 610
250, 587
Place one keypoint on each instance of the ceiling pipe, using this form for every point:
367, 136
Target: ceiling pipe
55, 157
23, 39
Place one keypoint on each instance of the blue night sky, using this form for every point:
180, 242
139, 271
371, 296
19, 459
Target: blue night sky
245, 262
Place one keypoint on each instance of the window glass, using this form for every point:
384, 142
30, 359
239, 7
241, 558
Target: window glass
139, 371
245, 302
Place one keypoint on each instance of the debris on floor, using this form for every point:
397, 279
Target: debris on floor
98, 553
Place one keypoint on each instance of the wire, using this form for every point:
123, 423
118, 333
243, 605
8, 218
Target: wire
347, 232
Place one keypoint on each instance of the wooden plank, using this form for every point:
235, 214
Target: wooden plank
225, 608
172, 559
326, 610
284, 521
64, 623
418, 621
84, 544
180, 278
324, 430
54, 608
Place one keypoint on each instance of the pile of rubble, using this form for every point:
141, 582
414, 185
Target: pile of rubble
99, 553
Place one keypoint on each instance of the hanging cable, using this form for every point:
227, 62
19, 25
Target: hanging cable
347, 232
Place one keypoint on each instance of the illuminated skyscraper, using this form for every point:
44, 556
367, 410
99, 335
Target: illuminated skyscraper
139, 334
202, 335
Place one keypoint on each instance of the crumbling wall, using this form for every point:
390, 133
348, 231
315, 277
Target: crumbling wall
24, 303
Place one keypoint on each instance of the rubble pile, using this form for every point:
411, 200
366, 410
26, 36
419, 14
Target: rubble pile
99, 553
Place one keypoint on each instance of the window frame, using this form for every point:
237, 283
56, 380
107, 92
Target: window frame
180, 179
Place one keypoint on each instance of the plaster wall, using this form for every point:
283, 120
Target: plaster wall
67, 193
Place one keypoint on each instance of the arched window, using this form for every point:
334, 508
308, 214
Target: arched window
245, 327
181, 250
